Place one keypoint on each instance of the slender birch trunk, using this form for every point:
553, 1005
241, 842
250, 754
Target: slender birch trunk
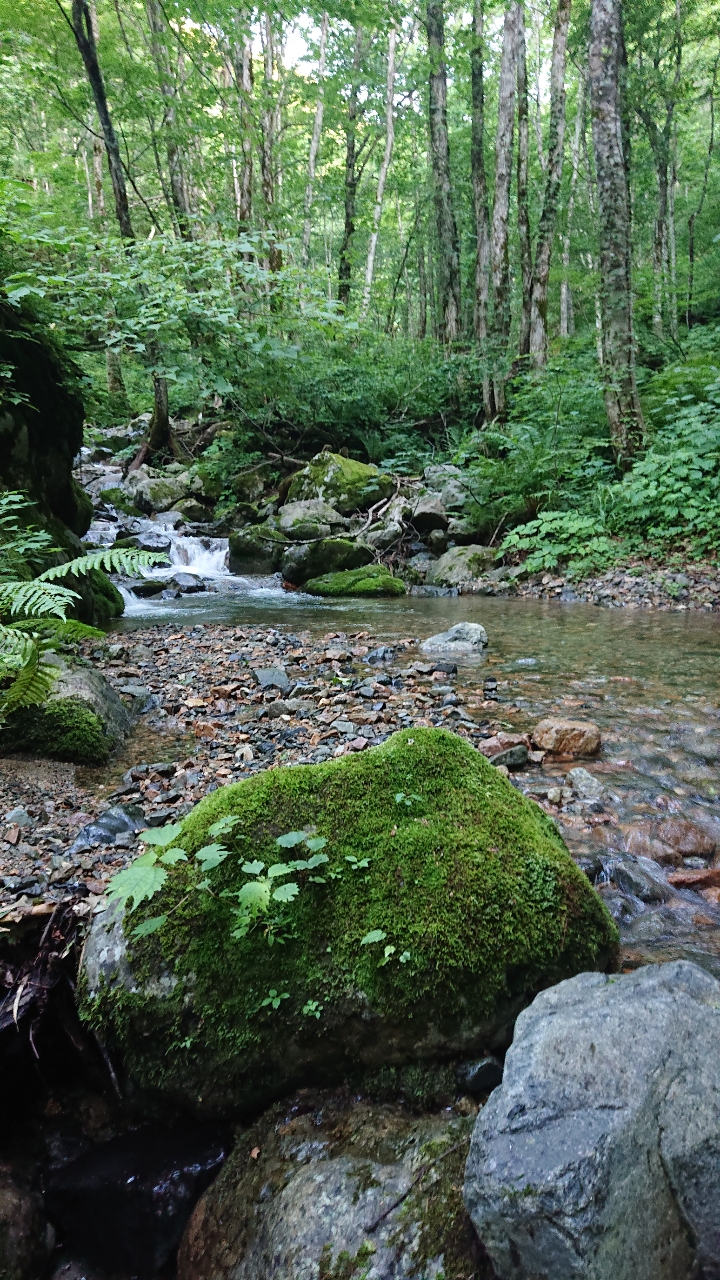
448, 246
605, 63
269, 128
567, 324
523, 212
315, 142
553, 178
422, 292
242, 66
699, 207
384, 168
672, 243
480, 202
85, 38
499, 249
351, 176
180, 207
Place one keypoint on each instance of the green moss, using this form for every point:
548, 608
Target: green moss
84, 511
66, 729
256, 549
471, 885
120, 500
345, 484
346, 1266
372, 580
109, 603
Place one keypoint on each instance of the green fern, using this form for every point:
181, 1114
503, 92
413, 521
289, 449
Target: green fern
69, 631
113, 560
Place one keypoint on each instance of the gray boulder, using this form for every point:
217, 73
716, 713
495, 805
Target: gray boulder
257, 548
152, 490
460, 565
304, 560
448, 481
465, 638
83, 719
313, 518
428, 514
332, 1186
599, 1156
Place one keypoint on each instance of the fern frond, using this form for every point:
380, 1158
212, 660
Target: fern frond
33, 681
57, 631
113, 560
16, 649
36, 599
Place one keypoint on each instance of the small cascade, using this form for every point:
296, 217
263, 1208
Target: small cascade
206, 556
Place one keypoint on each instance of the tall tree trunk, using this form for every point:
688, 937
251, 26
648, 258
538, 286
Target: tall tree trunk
242, 66
315, 142
672, 243
606, 62
499, 250
351, 177
447, 236
523, 211
269, 124
178, 187
699, 207
567, 325
422, 291
83, 30
384, 168
553, 178
480, 202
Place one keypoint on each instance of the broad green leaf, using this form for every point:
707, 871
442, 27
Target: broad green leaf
171, 856
254, 896
286, 892
162, 836
281, 869
223, 825
316, 843
292, 838
317, 860
139, 882
253, 868
148, 926
375, 935
211, 855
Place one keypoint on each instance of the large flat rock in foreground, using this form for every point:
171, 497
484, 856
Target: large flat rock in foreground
599, 1155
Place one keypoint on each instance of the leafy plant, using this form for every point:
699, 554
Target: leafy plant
568, 536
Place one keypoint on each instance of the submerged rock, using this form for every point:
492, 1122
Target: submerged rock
345, 484
373, 580
464, 638
447, 899
567, 738
327, 1186
83, 719
598, 1156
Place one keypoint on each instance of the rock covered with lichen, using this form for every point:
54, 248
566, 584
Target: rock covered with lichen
442, 901
331, 1186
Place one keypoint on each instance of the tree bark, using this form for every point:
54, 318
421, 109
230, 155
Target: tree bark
606, 62
699, 208
351, 177
553, 178
499, 251
269, 125
447, 236
422, 292
480, 202
567, 325
384, 168
315, 142
181, 210
242, 67
523, 212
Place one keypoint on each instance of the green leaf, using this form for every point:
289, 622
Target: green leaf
375, 935
291, 839
317, 860
148, 926
171, 856
223, 825
211, 855
286, 892
253, 868
162, 836
254, 897
281, 869
315, 844
139, 882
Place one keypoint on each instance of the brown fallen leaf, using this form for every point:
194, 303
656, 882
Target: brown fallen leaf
254, 1153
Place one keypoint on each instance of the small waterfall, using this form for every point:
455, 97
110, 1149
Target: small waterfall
206, 556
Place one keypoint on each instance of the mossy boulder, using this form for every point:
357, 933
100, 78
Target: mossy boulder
82, 721
448, 900
151, 489
109, 603
343, 483
372, 580
304, 560
118, 498
301, 521
460, 564
257, 548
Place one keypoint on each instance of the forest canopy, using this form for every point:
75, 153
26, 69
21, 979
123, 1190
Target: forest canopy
486, 235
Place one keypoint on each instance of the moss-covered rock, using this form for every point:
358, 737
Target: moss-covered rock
153, 490
119, 499
460, 564
82, 721
328, 1198
300, 521
343, 483
256, 549
109, 603
304, 560
372, 580
448, 900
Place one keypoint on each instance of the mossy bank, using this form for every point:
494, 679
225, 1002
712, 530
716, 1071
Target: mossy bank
447, 900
